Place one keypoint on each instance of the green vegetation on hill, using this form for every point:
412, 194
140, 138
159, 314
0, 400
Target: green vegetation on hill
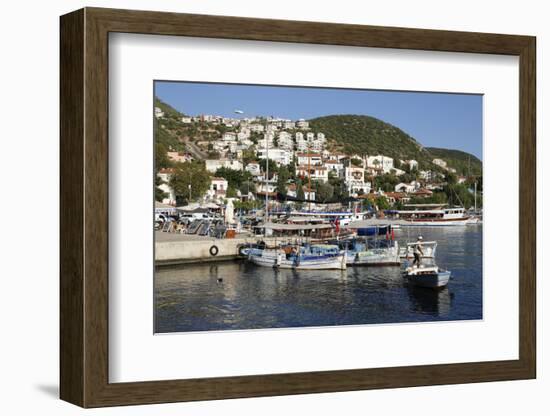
465, 163
368, 135
168, 130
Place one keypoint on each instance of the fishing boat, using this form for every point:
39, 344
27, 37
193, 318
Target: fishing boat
299, 257
370, 249
372, 253
430, 276
428, 247
422, 215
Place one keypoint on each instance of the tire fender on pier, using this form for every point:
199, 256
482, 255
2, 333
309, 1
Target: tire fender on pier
214, 250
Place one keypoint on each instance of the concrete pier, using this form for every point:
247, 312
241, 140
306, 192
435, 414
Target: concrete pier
172, 249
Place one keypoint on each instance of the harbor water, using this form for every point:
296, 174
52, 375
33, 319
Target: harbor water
239, 295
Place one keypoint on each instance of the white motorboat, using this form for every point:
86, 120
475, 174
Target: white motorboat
423, 215
430, 276
428, 247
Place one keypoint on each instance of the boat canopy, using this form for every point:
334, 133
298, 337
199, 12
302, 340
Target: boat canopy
293, 227
375, 230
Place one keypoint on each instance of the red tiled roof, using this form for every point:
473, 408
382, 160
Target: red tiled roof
167, 170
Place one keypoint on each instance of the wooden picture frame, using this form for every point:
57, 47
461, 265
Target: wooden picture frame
84, 207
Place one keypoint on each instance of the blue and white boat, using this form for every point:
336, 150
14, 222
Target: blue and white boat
369, 252
376, 246
299, 257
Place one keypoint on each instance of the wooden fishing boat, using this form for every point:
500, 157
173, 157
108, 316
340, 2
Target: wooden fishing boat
306, 257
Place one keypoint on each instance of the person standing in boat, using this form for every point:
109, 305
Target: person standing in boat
418, 252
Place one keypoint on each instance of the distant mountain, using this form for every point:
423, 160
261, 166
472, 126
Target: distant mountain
368, 135
464, 163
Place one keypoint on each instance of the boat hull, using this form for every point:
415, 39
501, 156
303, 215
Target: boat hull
374, 257
280, 261
436, 223
433, 280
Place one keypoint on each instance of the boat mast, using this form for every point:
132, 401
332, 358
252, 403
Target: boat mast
266, 178
475, 196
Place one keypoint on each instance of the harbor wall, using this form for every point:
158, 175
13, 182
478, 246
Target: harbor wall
199, 250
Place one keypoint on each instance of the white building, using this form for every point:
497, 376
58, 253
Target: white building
405, 187
334, 166
186, 120
380, 161
279, 156
257, 128
309, 159
229, 136
217, 190
397, 172
212, 165
158, 112
354, 178
165, 175
336, 156
253, 168
285, 140
317, 173
289, 124
302, 124
440, 162
180, 157
411, 163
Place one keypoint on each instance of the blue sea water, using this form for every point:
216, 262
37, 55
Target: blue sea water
190, 298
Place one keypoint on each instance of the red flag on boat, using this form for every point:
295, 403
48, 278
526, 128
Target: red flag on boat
392, 235
337, 225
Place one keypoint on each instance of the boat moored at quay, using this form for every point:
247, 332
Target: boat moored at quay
374, 246
299, 257
428, 215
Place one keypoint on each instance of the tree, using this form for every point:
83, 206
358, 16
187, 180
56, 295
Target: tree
323, 191
300, 195
356, 162
231, 192
282, 179
386, 182
190, 173
272, 166
159, 193
382, 203
246, 187
161, 159
234, 178
339, 187
248, 156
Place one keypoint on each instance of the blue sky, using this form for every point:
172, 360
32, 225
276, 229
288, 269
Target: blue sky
452, 121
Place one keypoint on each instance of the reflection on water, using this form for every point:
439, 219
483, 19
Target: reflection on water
239, 295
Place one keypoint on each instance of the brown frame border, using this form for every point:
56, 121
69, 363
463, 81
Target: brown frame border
84, 207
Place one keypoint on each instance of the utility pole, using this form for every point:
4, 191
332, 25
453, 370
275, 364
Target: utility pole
308, 176
189, 186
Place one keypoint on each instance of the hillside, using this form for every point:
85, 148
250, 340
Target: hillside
368, 135
464, 163
168, 129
